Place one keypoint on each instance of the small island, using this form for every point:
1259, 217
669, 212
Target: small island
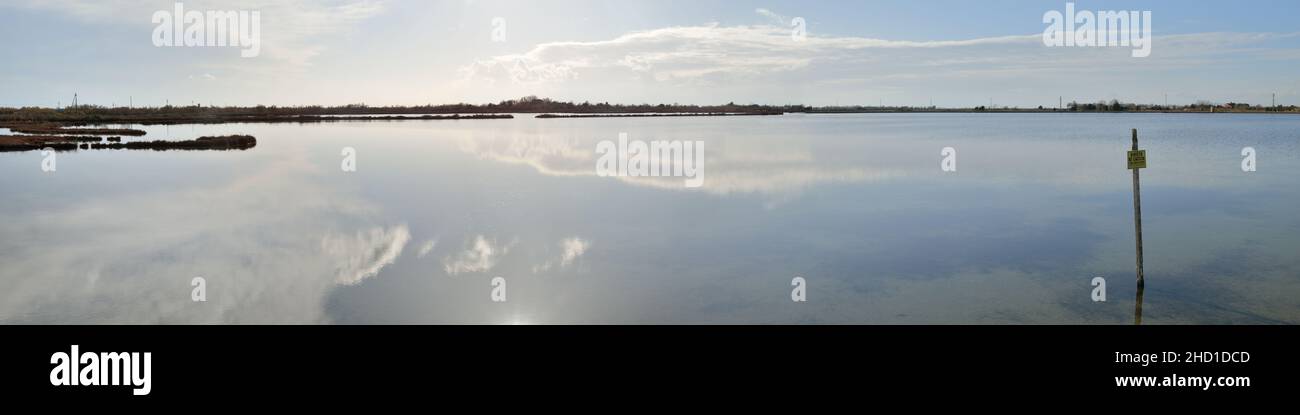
67, 143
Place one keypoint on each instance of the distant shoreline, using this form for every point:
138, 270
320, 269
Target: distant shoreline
51, 122
1044, 111
81, 128
36, 125
82, 115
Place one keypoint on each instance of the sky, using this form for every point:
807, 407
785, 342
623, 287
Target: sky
945, 53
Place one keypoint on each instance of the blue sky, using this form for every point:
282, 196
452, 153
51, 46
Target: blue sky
954, 53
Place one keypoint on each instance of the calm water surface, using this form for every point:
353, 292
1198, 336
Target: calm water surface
856, 204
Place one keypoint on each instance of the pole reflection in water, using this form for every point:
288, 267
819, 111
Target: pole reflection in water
1137, 310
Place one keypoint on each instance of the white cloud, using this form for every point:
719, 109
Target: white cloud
426, 248
362, 255
571, 249
481, 255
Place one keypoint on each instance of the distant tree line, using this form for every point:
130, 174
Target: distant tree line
1199, 106
529, 104
533, 104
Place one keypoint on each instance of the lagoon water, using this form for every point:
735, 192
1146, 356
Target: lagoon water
855, 204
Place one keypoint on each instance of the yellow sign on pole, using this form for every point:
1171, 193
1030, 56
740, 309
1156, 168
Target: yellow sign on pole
1137, 159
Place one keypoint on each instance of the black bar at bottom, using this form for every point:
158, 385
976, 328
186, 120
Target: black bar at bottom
287, 363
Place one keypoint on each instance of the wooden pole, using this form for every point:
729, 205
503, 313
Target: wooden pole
1137, 226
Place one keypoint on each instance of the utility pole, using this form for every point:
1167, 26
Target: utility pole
1137, 160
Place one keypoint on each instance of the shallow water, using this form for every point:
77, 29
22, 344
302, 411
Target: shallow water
855, 204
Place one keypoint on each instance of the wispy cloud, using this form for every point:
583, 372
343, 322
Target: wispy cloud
570, 250
701, 52
776, 18
426, 248
764, 166
481, 255
755, 56
362, 255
